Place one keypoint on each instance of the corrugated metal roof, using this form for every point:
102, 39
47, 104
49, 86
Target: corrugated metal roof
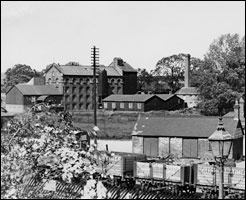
38, 90
83, 70
187, 90
177, 126
129, 98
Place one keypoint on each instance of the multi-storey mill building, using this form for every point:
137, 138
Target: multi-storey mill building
76, 82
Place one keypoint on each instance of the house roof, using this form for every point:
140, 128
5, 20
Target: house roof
181, 126
187, 90
129, 98
38, 90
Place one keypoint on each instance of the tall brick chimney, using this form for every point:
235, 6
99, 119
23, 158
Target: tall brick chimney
187, 71
236, 110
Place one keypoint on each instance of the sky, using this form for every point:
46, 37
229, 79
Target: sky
39, 33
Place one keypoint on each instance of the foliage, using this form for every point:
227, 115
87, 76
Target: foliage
222, 78
144, 79
20, 73
170, 70
30, 146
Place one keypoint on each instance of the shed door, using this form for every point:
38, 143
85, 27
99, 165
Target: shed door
190, 148
151, 146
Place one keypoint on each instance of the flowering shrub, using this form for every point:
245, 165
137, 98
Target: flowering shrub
44, 143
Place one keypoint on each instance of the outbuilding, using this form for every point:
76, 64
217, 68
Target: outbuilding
182, 136
142, 102
20, 96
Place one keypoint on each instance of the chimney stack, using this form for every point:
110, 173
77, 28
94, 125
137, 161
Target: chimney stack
187, 71
236, 110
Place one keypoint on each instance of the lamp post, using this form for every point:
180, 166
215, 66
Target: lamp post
221, 142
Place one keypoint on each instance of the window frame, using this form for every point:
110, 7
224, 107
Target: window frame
122, 105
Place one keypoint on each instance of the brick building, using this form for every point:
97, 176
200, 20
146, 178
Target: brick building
76, 82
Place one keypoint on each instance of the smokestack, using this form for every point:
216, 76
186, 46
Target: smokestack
236, 110
187, 71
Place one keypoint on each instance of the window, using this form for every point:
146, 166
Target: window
105, 105
113, 105
53, 73
139, 105
121, 105
130, 105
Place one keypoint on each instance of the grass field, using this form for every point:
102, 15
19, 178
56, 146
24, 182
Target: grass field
118, 125
111, 125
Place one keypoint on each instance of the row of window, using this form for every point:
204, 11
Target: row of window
90, 80
122, 105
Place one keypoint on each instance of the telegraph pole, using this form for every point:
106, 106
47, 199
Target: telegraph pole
95, 64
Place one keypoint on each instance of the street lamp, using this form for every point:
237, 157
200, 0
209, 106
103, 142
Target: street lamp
221, 142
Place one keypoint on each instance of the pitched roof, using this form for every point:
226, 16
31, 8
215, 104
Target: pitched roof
187, 90
129, 98
124, 66
165, 96
38, 90
181, 126
83, 70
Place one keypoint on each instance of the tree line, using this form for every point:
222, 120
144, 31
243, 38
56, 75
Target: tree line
219, 76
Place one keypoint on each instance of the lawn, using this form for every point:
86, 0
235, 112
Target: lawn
111, 125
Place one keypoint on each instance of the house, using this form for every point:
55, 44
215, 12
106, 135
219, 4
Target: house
183, 136
76, 82
142, 102
188, 93
20, 97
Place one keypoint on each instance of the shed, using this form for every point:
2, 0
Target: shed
143, 102
183, 136
20, 96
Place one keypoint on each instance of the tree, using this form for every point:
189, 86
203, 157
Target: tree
222, 78
144, 80
20, 73
227, 54
44, 145
170, 70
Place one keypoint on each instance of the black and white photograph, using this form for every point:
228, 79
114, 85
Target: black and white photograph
122, 99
